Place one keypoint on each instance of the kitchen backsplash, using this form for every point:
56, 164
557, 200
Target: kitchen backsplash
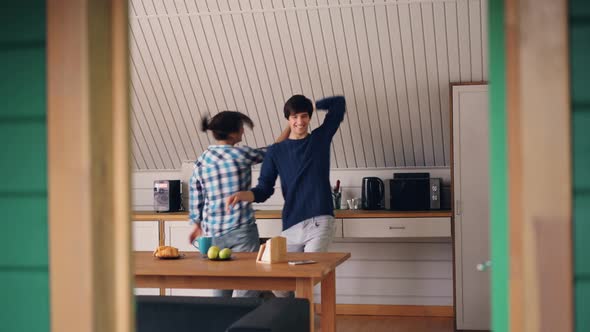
350, 180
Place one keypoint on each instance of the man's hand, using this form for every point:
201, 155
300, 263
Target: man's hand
240, 196
195, 233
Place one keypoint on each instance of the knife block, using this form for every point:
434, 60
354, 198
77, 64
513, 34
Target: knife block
273, 251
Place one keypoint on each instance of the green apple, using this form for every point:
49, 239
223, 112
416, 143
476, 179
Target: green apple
213, 252
225, 253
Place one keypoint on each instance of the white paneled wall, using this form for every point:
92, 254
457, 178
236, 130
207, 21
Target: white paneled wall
380, 271
393, 60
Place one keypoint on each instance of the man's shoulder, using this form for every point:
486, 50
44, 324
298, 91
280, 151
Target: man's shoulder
275, 147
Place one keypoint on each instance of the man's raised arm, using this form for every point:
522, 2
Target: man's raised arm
336, 107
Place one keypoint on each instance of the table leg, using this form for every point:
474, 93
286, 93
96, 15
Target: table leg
328, 295
161, 242
304, 289
161, 232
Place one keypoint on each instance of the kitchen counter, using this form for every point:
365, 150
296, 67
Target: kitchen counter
276, 214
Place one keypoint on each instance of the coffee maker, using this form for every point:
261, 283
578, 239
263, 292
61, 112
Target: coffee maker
373, 193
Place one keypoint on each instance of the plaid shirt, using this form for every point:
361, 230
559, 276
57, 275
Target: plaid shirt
221, 171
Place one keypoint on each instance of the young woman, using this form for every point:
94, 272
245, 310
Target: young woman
222, 170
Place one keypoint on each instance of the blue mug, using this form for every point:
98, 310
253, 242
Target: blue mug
203, 244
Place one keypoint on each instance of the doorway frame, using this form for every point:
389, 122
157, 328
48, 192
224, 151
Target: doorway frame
89, 180
538, 146
88, 166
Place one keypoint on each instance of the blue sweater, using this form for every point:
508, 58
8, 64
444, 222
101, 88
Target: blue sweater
304, 168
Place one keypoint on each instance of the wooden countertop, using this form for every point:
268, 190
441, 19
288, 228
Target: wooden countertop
276, 214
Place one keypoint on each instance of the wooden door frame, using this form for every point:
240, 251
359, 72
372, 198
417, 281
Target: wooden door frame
88, 166
539, 165
89, 182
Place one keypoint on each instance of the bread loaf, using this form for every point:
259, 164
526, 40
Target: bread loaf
166, 252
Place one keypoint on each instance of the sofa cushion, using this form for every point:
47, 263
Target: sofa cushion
275, 315
184, 314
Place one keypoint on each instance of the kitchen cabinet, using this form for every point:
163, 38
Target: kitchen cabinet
396, 227
349, 224
145, 238
273, 227
471, 219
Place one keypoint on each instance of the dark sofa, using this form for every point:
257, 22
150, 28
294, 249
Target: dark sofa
215, 314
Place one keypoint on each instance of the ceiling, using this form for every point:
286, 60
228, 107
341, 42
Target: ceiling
392, 60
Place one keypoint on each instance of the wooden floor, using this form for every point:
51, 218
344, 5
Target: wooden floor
391, 324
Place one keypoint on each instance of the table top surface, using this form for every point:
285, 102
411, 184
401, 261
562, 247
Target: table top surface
240, 265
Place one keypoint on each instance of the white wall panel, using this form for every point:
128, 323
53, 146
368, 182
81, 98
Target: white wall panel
432, 83
464, 38
443, 75
393, 60
475, 40
401, 88
417, 32
412, 88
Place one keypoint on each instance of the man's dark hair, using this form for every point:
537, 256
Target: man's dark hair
298, 104
225, 123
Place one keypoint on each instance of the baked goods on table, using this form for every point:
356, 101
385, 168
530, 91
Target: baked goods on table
166, 252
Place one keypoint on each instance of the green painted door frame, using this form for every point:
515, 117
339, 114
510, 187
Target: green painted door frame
498, 168
24, 278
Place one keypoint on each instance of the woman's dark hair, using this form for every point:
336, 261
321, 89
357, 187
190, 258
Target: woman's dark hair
298, 104
225, 123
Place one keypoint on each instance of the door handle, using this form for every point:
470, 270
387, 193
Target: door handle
481, 267
397, 227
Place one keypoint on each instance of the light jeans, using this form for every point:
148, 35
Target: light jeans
310, 235
243, 239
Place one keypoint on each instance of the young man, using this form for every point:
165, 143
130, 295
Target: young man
303, 163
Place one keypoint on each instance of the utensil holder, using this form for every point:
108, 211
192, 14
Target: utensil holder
336, 199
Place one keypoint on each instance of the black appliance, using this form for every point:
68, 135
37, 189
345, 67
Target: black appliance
414, 192
373, 194
167, 196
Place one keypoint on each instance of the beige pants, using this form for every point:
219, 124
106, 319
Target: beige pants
310, 235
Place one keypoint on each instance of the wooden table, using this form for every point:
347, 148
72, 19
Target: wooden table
242, 272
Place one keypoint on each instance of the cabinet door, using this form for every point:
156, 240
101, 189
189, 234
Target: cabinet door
471, 186
268, 228
146, 237
177, 233
339, 233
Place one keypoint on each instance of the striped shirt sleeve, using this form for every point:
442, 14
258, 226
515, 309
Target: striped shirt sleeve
196, 198
254, 156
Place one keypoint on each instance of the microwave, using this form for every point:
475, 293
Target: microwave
414, 192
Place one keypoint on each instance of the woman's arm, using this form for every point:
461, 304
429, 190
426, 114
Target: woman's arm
284, 135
